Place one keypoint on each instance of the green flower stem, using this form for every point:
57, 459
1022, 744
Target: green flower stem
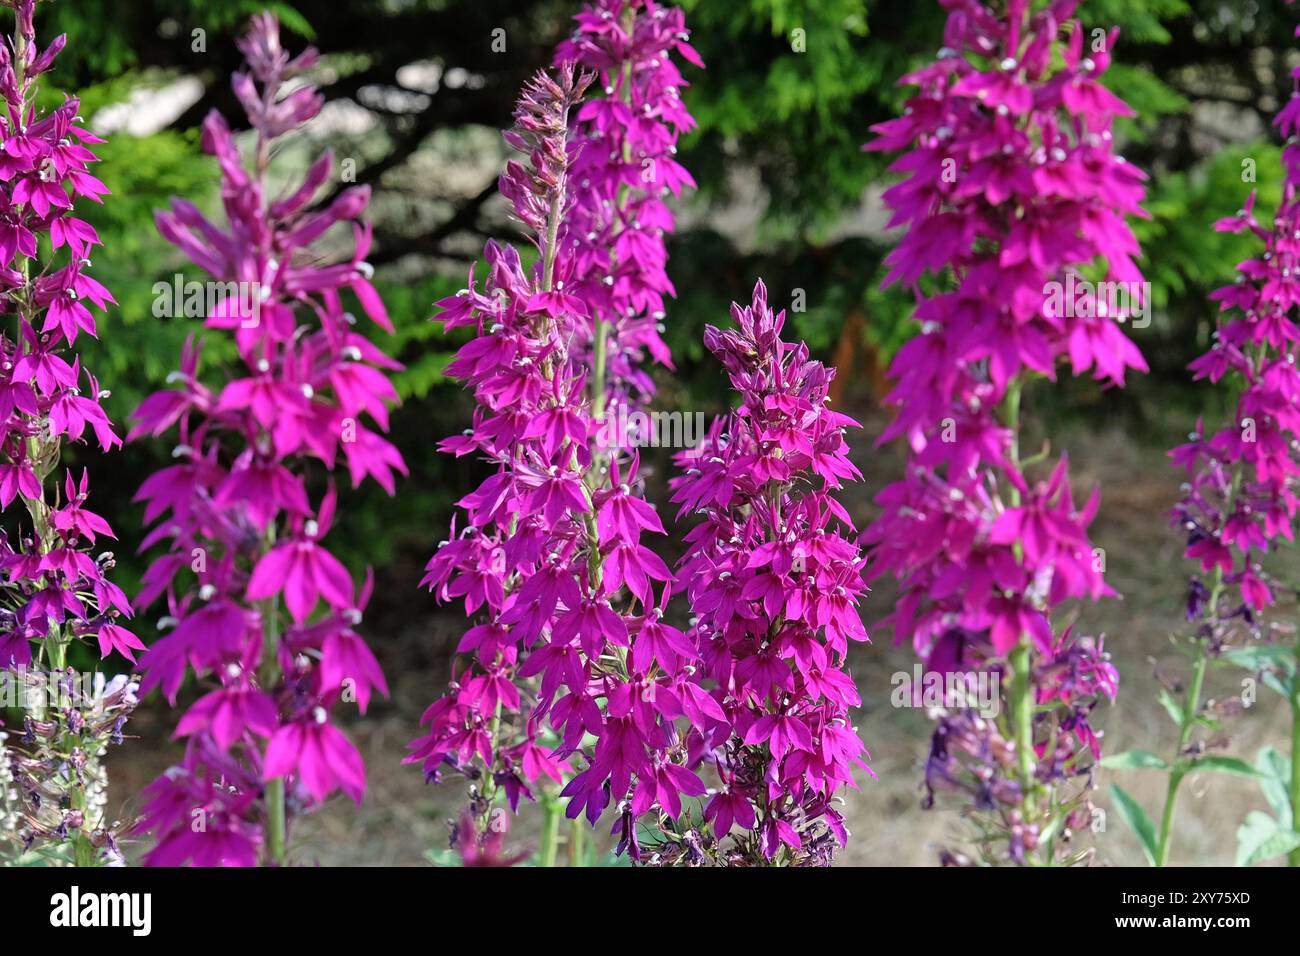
1020, 659
577, 842
276, 843
1191, 707
1192, 702
1022, 713
1293, 858
276, 846
551, 813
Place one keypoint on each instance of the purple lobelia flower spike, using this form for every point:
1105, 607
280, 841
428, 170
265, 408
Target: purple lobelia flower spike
624, 172
571, 646
1013, 193
578, 683
1239, 499
56, 594
773, 585
529, 559
259, 609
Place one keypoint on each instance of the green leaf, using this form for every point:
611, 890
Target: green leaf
1278, 682
1132, 813
1262, 838
1259, 656
1172, 707
1136, 759
292, 20
1275, 783
1229, 765
443, 857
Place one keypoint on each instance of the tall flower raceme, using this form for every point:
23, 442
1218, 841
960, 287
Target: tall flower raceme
541, 560
1013, 195
551, 556
1238, 506
622, 175
773, 585
259, 609
56, 593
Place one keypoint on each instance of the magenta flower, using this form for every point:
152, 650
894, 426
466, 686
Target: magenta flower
624, 171
317, 753
57, 592
1013, 189
528, 557
1239, 496
572, 642
773, 584
244, 538
1239, 501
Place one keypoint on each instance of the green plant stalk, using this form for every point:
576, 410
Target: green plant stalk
550, 831
276, 842
577, 842
1293, 858
489, 791
1191, 706
276, 846
1022, 713
1010, 415
1020, 659
599, 354
1191, 703
83, 850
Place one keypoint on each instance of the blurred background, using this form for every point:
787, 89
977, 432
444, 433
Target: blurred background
417, 95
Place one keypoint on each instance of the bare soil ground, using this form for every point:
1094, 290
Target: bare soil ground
403, 818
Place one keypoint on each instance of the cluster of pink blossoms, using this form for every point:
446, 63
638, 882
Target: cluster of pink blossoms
551, 553
1013, 195
573, 644
522, 558
46, 397
243, 536
55, 593
1239, 497
774, 587
622, 175
545, 551
574, 638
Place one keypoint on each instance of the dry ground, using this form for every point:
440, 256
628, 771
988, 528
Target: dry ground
403, 818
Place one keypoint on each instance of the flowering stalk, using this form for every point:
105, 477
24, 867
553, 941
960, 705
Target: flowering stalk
54, 593
258, 608
526, 544
1239, 501
1013, 191
623, 173
551, 553
773, 586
